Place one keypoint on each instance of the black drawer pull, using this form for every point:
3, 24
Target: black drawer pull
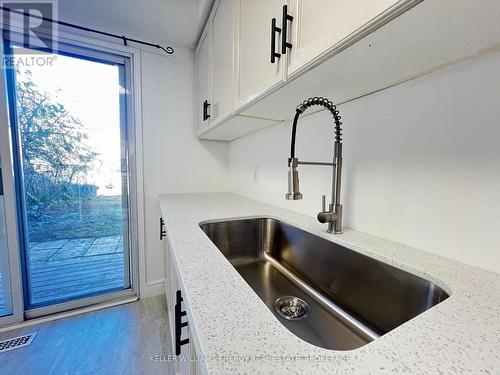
274, 29
179, 324
1, 182
206, 116
163, 232
284, 28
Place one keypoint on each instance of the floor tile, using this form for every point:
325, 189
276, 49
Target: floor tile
79, 242
49, 245
68, 253
108, 239
119, 248
101, 249
40, 256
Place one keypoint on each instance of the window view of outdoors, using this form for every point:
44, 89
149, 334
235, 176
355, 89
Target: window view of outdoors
69, 125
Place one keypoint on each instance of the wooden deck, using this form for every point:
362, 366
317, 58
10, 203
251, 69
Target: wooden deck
72, 279
67, 269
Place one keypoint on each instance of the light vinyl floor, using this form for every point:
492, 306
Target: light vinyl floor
118, 340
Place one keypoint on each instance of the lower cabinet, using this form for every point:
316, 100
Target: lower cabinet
180, 333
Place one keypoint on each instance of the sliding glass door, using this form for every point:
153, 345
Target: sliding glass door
6, 308
70, 129
11, 305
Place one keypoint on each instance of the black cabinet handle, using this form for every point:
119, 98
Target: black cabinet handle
163, 232
274, 29
284, 27
1, 182
206, 116
179, 324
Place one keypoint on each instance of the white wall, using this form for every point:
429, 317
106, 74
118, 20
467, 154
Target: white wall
174, 159
422, 162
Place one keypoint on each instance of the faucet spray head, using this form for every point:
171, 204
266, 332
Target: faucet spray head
293, 180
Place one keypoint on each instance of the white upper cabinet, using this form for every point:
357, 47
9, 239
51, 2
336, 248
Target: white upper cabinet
251, 48
256, 73
203, 78
320, 25
222, 61
340, 49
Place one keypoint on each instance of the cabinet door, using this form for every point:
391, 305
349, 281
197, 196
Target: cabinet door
185, 363
171, 289
320, 24
256, 73
222, 61
194, 364
203, 75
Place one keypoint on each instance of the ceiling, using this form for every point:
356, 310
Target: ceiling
157, 21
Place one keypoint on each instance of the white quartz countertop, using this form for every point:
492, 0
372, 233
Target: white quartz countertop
237, 334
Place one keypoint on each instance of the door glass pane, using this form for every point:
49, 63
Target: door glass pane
5, 286
72, 142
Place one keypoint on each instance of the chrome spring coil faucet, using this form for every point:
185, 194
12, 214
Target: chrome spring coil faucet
332, 216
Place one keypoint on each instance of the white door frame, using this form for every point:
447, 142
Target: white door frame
10, 210
136, 183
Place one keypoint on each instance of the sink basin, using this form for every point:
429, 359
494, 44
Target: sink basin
324, 293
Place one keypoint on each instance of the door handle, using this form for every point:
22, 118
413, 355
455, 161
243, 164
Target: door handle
274, 29
206, 116
163, 232
284, 28
179, 324
1, 183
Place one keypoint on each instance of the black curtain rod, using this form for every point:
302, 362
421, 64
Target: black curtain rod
125, 39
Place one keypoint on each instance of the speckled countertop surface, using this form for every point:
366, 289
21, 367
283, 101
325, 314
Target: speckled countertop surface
237, 333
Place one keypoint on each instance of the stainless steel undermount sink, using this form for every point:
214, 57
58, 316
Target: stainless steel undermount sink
324, 293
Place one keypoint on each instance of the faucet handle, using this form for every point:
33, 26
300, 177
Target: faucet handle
323, 203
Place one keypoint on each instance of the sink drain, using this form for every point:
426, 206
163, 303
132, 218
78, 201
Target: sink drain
291, 308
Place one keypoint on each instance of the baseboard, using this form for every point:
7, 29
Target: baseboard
67, 314
155, 288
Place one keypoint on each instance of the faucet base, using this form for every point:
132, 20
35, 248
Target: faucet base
333, 218
334, 232
293, 196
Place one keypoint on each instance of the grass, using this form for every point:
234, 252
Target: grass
94, 217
